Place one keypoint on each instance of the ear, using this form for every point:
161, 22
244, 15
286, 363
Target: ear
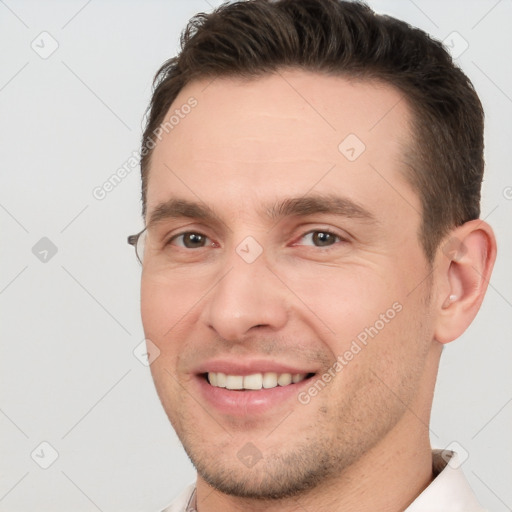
464, 263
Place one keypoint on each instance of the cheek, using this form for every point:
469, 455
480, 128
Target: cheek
348, 300
381, 367
166, 305
154, 307
161, 309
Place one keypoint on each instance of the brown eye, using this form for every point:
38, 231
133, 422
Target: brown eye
323, 238
190, 240
320, 238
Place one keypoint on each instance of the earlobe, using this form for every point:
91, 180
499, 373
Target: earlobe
464, 261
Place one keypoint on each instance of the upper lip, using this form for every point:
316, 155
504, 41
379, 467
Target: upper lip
249, 367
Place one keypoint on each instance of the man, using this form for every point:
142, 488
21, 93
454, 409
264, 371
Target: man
311, 180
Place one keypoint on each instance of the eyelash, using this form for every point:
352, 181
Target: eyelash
325, 232
175, 237
340, 239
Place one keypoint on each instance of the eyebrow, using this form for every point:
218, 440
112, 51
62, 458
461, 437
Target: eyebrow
179, 208
319, 203
294, 206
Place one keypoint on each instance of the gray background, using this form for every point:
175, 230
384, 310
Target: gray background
70, 320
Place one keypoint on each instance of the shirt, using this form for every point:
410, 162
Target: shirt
448, 492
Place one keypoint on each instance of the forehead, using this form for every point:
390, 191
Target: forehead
283, 133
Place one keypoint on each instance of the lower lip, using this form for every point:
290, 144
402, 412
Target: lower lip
248, 402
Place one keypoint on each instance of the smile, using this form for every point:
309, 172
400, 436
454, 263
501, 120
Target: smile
255, 381
250, 387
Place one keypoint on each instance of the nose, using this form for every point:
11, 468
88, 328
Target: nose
248, 297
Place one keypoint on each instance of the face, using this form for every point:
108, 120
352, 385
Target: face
283, 280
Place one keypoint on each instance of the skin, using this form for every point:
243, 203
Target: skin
362, 443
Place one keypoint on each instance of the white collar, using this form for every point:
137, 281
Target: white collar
449, 491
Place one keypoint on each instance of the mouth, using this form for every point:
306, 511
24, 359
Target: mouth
254, 381
251, 388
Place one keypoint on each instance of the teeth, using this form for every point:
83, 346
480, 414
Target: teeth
234, 382
284, 379
269, 380
212, 377
254, 381
221, 380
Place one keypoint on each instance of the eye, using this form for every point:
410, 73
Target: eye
320, 238
190, 240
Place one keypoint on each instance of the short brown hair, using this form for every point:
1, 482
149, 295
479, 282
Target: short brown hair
255, 37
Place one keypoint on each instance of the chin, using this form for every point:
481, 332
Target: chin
273, 477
